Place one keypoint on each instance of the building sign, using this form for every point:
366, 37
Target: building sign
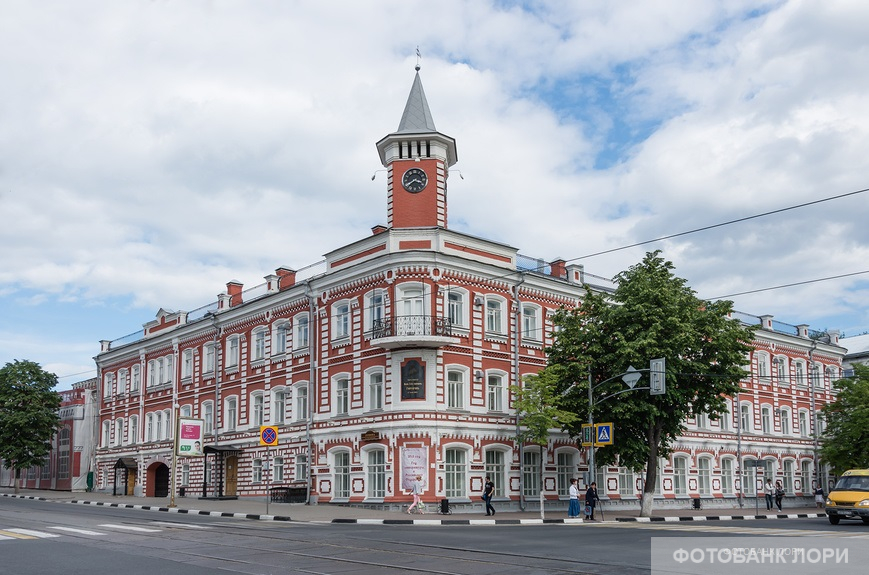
413, 380
71, 412
414, 463
190, 433
370, 435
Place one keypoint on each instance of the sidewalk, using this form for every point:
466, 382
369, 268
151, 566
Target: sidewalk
256, 508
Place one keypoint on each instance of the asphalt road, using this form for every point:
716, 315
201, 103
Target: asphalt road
39, 537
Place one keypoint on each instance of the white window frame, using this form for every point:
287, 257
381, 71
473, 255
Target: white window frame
763, 368
258, 339
233, 351
341, 384
300, 401
278, 413
300, 467
704, 475
375, 388
230, 409
342, 320
803, 418
281, 337
208, 417
680, 475
532, 324
495, 316
375, 311
460, 394
728, 467
457, 307
106, 434
135, 378
187, 364
257, 409
301, 331
496, 391
133, 430
257, 470
782, 370
766, 419
455, 471
785, 420
342, 464
800, 372
209, 363
375, 472
746, 417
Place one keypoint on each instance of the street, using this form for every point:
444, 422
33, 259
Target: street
39, 537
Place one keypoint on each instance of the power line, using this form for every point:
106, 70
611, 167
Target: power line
713, 226
791, 285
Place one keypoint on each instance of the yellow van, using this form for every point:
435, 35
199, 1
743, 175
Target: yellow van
849, 499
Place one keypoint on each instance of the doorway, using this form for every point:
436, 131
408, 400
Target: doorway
231, 475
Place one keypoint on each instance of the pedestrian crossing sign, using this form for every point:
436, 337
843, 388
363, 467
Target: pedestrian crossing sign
603, 433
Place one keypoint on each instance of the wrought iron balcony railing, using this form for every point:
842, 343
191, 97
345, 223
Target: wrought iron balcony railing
411, 326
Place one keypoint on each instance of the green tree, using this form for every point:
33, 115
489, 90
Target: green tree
28, 415
846, 439
651, 314
539, 411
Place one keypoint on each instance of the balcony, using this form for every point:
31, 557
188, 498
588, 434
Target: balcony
409, 331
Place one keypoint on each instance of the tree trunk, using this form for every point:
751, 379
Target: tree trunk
17, 478
651, 474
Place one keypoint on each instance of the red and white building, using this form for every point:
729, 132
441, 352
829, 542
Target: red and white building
67, 466
393, 358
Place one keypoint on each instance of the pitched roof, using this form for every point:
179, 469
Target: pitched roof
416, 116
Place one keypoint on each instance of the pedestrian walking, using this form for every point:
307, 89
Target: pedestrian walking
819, 497
488, 493
573, 506
779, 494
768, 491
417, 492
591, 500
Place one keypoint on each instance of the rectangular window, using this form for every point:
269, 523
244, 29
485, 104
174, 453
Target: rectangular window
564, 472
788, 476
455, 470
231, 414
301, 403
342, 397
626, 482
493, 317
456, 308
259, 345
745, 418
342, 321
279, 470
765, 420
748, 478
804, 424
702, 421
530, 330
301, 339
257, 471
134, 429
375, 390
135, 379
781, 371
301, 470
281, 339
531, 473
727, 476
187, 364
806, 474
376, 314
185, 474
680, 476
207, 471
455, 390
377, 474
496, 470
280, 406
232, 353
785, 416
704, 476
208, 364
208, 417
258, 409
800, 373
495, 389
342, 474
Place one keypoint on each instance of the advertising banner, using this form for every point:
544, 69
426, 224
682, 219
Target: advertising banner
190, 432
414, 462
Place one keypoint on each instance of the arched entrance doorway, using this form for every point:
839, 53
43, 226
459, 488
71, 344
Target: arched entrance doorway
158, 480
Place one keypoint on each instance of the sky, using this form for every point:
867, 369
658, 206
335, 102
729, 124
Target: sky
151, 151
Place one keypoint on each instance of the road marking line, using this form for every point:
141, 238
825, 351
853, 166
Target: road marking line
130, 528
181, 525
32, 533
75, 530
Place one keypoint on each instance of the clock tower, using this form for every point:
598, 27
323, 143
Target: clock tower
417, 158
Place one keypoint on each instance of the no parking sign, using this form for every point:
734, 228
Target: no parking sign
268, 435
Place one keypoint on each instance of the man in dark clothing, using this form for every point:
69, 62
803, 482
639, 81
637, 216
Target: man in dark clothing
591, 500
488, 493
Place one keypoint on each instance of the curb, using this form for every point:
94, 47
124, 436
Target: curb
460, 521
720, 517
253, 516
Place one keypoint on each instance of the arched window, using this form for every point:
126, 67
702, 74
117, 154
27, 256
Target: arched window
455, 472
680, 475
342, 474
376, 472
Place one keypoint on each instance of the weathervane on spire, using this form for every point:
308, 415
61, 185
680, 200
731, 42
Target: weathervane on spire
418, 57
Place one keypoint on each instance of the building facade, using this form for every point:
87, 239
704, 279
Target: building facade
69, 464
393, 359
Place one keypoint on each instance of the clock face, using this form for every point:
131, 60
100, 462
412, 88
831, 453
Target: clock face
414, 180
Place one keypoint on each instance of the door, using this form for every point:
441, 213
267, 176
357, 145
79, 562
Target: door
131, 481
161, 481
411, 310
231, 475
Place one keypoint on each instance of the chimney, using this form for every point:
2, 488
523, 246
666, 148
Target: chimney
287, 277
378, 229
271, 283
766, 322
558, 268
803, 330
233, 288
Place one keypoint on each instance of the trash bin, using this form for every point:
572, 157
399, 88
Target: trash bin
696, 503
445, 506
182, 491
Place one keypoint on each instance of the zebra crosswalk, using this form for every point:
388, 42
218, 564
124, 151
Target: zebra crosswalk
105, 529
